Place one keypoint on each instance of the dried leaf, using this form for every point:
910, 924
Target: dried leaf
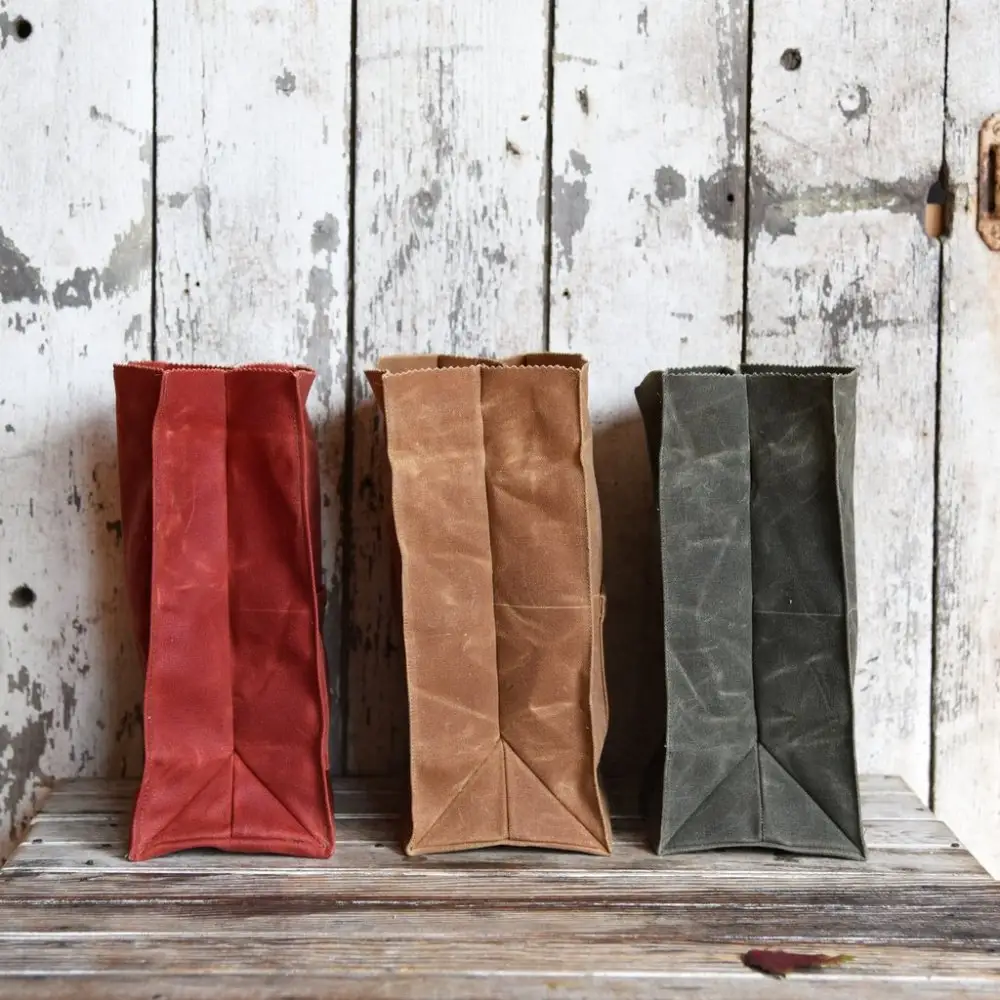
780, 963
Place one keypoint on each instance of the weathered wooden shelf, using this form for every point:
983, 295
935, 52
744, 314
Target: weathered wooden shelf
921, 918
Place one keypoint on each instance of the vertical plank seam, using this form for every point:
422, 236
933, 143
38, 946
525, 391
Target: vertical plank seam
347, 467
747, 186
547, 166
153, 193
937, 589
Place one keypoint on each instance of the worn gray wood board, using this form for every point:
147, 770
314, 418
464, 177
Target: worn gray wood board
918, 920
647, 226
75, 250
841, 272
966, 721
449, 250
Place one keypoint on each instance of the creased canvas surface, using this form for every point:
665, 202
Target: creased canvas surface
754, 474
220, 508
495, 511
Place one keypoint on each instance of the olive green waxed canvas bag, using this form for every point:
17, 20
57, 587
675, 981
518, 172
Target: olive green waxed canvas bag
754, 475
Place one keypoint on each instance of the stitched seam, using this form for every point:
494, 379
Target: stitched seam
753, 671
140, 803
461, 788
211, 777
229, 614
583, 418
770, 754
493, 581
403, 602
711, 791
267, 788
305, 511
544, 785
851, 652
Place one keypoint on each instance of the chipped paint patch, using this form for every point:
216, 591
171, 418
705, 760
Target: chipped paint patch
79, 291
669, 185
68, 704
320, 293
642, 22
775, 213
19, 281
203, 198
135, 339
20, 756
285, 84
325, 235
424, 203
100, 116
719, 204
570, 205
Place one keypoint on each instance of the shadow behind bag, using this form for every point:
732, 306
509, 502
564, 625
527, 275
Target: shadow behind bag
220, 505
754, 474
498, 528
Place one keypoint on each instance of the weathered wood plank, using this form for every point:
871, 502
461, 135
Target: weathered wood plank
49, 836
75, 224
647, 223
451, 135
383, 870
841, 272
253, 109
882, 798
403, 985
762, 917
967, 691
501, 953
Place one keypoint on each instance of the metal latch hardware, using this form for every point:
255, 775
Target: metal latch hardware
989, 182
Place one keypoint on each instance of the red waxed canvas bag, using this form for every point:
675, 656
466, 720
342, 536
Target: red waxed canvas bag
220, 523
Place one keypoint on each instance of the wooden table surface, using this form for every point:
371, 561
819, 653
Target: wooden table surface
920, 918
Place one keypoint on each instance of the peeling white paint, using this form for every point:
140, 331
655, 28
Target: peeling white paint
75, 291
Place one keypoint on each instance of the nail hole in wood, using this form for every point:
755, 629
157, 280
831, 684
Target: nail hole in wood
730, 197
22, 29
791, 59
22, 597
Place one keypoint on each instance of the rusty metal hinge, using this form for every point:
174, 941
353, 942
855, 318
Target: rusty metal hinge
989, 182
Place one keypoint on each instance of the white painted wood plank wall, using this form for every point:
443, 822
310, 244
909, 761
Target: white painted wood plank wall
647, 219
967, 689
459, 237
252, 195
449, 259
75, 227
841, 272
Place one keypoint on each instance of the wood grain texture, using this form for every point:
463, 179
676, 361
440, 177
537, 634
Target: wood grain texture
840, 272
369, 922
647, 225
450, 160
967, 690
478, 986
253, 113
75, 226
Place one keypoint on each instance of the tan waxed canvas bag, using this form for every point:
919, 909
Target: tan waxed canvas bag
496, 516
